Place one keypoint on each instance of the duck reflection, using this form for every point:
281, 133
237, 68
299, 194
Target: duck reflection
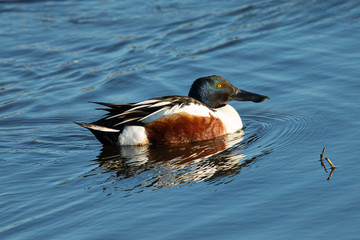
171, 165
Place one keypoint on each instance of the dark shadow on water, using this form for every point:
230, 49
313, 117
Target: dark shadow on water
155, 167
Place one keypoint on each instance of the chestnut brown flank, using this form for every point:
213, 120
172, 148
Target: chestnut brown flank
183, 127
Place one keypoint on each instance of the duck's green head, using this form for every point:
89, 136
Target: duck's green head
214, 91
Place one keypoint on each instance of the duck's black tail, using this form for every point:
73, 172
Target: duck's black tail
107, 136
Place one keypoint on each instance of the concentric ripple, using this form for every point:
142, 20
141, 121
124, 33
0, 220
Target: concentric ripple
286, 129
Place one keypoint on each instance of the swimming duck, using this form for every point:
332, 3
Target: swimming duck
202, 115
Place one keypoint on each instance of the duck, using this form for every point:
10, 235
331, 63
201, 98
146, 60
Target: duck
202, 115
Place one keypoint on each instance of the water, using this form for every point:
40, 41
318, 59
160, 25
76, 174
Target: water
58, 182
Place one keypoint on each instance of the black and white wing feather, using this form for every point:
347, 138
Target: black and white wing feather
108, 128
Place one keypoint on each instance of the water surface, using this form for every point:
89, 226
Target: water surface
266, 181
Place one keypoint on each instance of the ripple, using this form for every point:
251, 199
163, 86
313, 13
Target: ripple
285, 129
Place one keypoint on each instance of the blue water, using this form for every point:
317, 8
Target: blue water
266, 182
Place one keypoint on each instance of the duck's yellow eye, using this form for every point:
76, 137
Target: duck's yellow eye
219, 85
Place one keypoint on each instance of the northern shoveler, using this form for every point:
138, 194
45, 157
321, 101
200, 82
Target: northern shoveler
174, 119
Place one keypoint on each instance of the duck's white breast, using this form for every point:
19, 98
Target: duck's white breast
230, 117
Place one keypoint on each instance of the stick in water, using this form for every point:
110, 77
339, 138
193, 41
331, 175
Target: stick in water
331, 173
331, 164
321, 160
322, 154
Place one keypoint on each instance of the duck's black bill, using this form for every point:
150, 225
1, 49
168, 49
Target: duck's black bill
242, 95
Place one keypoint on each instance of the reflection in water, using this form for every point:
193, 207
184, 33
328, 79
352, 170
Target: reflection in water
167, 166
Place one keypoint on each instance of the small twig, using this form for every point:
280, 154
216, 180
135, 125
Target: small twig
321, 160
331, 173
322, 164
322, 154
328, 160
331, 164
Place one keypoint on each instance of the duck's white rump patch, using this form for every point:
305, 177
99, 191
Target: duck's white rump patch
133, 135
